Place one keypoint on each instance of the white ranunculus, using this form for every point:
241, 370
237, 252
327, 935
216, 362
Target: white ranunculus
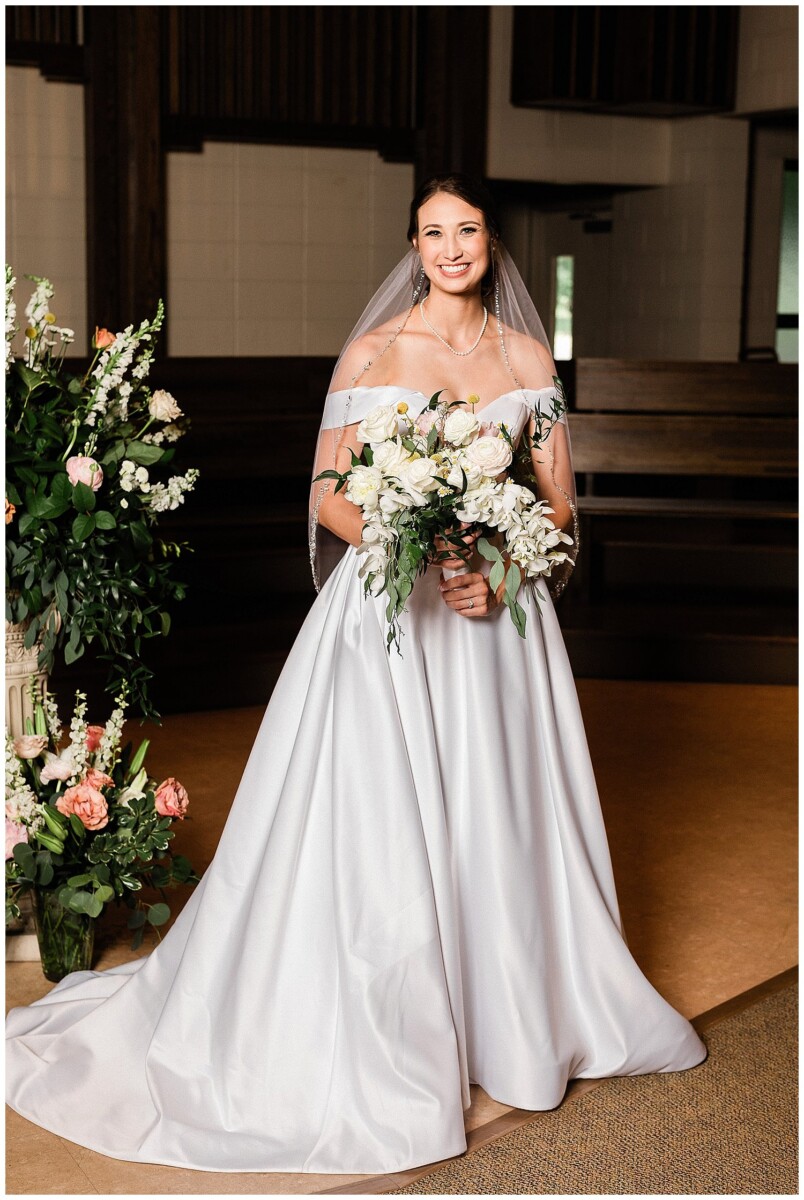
419, 477
389, 456
363, 487
490, 454
163, 407
460, 427
380, 424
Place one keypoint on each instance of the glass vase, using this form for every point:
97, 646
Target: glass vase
66, 939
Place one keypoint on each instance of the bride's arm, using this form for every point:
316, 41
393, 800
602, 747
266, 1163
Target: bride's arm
335, 512
552, 466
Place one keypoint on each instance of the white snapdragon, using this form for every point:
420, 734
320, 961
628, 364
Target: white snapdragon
11, 317
52, 718
171, 494
78, 738
108, 751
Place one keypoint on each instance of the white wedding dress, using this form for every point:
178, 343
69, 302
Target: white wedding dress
413, 891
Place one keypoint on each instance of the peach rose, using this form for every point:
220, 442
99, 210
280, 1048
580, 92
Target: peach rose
97, 779
14, 835
102, 339
10, 510
171, 799
94, 735
81, 469
87, 803
30, 745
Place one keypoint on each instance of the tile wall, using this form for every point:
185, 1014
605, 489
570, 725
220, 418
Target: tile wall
45, 198
276, 249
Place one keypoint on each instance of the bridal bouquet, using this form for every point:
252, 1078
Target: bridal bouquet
85, 488
85, 822
417, 479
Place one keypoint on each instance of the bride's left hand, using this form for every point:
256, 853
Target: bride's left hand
469, 594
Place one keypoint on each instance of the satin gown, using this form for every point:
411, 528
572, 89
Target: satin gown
413, 891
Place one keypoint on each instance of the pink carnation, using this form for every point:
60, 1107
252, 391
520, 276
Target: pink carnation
81, 469
97, 779
425, 421
14, 835
94, 735
171, 799
87, 803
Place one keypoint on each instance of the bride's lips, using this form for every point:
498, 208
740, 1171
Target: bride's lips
454, 270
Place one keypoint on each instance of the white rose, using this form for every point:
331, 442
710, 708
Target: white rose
380, 424
491, 454
389, 456
163, 407
460, 427
419, 477
363, 487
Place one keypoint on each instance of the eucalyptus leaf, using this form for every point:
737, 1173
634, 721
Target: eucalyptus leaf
158, 914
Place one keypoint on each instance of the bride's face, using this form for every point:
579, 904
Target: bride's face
454, 244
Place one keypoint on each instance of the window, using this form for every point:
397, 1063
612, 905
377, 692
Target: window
562, 336
787, 301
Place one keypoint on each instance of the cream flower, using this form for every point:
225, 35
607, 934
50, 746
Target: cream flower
30, 745
363, 487
389, 456
380, 424
419, 477
460, 427
163, 407
491, 454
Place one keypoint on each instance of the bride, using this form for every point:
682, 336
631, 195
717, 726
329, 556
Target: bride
413, 890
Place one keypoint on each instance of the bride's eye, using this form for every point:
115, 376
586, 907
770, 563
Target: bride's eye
469, 229
430, 232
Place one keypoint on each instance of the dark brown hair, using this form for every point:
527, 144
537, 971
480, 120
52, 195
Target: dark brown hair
465, 188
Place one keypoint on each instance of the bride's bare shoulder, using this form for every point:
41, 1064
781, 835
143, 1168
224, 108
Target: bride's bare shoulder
364, 351
531, 359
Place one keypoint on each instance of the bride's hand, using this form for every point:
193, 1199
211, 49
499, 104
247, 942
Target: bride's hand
469, 594
453, 562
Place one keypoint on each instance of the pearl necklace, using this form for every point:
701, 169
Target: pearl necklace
444, 342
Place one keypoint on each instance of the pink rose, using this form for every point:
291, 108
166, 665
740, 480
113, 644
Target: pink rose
489, 429
171, 799
81, 469
97, 779
425, 421
87, 803
14, 835
94, 735
30, 745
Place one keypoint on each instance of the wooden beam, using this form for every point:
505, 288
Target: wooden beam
125, 166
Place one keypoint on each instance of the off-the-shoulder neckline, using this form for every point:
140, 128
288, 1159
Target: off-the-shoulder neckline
397, 387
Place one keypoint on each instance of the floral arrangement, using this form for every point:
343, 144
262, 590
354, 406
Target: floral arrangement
416, 479
82, 494
85, 820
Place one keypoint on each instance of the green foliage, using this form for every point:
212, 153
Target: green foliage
81, 564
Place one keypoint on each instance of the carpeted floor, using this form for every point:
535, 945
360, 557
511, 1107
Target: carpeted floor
726, 1127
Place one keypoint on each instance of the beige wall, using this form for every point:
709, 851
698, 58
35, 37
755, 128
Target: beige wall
564, 147
277, 249
767, 66
45, 207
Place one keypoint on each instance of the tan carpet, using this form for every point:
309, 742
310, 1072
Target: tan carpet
725, 1127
